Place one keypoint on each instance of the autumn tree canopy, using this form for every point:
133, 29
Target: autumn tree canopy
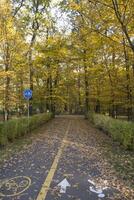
77, 56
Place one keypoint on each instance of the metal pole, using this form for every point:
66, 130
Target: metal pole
28, 114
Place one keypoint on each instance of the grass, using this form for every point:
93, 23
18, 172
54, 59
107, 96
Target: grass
122, 161
115, 148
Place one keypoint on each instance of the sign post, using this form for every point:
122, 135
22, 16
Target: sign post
27, 93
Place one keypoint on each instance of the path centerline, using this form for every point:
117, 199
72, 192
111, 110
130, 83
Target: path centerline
45, 187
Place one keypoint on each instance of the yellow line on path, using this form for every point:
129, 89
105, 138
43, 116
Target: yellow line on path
45, 187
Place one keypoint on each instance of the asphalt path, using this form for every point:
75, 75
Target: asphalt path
63, 163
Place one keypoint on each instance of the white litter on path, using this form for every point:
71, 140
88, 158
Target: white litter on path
97, 191
93, 183
101, 195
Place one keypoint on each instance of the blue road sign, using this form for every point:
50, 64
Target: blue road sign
27, 94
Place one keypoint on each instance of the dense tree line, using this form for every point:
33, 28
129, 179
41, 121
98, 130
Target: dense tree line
87, 67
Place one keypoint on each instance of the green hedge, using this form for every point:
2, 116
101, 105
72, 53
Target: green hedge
121, 131
15, 128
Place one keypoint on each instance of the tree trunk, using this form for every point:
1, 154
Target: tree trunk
30, 81
86, 85
97, 107
7, 84
51, 93
128, 87
79, 95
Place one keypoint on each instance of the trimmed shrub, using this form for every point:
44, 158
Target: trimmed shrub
121, 131
3, 136
13, 129
10, 129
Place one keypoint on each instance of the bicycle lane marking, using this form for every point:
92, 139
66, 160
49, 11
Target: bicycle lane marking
46, 185
79, 167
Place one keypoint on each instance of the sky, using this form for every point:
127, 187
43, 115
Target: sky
61, 18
